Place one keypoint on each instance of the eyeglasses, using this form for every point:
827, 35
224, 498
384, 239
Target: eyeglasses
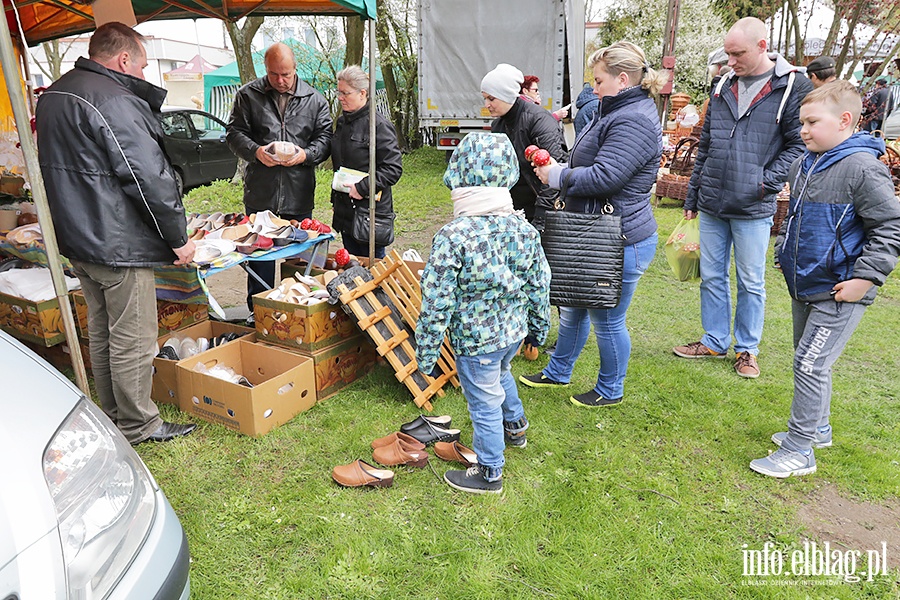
534, 90
343, 94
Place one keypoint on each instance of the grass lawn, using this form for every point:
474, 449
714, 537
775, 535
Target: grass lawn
649, 499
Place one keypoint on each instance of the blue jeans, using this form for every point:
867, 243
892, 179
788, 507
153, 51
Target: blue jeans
613, 338
750, 239
490, 390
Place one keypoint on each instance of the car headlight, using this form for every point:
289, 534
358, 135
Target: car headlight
104, 500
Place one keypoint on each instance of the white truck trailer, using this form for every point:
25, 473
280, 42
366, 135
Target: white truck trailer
461, 40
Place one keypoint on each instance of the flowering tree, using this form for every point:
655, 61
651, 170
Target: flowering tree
700, 31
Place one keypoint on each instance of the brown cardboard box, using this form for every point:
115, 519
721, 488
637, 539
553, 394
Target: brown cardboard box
283, 386
308, 328
171, 316
340, 365
165, 375
38, 322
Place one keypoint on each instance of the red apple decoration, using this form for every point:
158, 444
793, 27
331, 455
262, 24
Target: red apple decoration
541, 158
530, 150
341, 257
323, 228
306, 224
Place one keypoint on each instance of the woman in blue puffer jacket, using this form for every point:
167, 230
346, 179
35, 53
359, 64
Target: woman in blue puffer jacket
615, 160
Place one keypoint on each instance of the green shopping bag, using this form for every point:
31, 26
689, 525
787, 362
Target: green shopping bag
683, 250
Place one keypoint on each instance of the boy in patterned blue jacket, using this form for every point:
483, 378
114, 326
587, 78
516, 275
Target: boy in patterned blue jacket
839, 242
487, 282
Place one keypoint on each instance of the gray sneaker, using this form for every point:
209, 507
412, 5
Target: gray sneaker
785, 463
821, 439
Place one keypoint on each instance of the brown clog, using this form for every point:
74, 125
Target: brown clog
397, 435
399, 453
455, 452
360, 473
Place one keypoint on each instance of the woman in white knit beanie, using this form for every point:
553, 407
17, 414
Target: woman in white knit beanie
525, 124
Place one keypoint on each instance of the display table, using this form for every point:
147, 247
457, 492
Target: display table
185, 283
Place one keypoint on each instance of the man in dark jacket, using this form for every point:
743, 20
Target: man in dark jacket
117, 212
876, 105
525, 124
750, 137
586, 103
278, 107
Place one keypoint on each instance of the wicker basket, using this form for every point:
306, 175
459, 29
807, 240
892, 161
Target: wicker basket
783, 203
671, 185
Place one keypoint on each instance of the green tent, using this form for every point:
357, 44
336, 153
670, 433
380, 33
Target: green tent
219, 86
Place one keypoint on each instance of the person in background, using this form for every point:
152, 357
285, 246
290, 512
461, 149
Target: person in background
350, 148
117, 211
615, 159
487, 284
875, 105
751, 135
821, 71
526, 124
586, 103
530, 92
841, 197
278, 107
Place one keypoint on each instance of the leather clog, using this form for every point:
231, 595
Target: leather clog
398, 453
429, 434
455, 452
360, 473
397, 435
441, 421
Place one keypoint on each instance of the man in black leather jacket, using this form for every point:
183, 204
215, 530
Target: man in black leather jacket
279, 107
117, 214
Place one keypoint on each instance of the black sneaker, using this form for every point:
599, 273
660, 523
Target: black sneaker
471, 480
592, 399
516, 440
539, 380
251, 320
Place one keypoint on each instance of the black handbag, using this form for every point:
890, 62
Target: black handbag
586, 253
384, 226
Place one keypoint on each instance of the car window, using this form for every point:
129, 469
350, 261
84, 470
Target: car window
175, 125
207, 126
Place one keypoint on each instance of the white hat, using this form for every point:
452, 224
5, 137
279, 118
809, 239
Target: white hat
503, 83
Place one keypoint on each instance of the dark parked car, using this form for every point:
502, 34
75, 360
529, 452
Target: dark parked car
195, 142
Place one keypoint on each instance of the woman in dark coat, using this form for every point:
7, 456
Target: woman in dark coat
614, 160
350, 149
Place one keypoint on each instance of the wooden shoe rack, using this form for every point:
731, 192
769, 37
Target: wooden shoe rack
386, 303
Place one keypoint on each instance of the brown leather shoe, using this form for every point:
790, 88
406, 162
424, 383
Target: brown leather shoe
455, 452
399, 453
746, 365
697, 350
398, 435
360, 473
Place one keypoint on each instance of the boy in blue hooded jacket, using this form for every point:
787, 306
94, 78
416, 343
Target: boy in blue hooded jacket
839, 242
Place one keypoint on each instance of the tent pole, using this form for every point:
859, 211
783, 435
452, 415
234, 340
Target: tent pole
23, 125
371, 142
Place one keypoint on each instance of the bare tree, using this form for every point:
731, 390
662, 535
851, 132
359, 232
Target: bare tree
242, 41
54, 53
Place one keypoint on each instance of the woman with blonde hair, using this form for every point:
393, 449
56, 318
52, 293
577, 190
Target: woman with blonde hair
614, 161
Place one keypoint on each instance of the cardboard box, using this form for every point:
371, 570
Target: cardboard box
283, 386
38, 322
307, 328
343, 363
171, 316
165, 375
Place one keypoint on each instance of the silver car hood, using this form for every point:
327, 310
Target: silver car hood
35, 400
